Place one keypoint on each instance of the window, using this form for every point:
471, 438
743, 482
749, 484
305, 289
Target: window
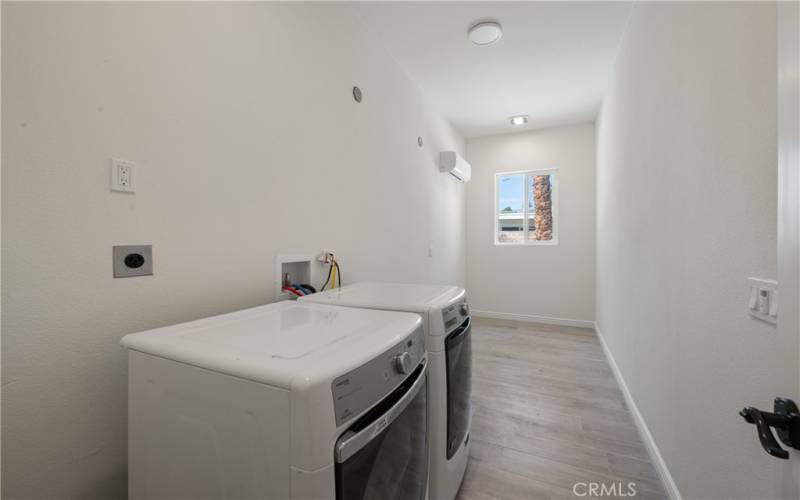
526, 208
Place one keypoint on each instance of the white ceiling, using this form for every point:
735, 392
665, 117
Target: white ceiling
552, 63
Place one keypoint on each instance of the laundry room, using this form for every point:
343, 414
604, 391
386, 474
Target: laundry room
399, 250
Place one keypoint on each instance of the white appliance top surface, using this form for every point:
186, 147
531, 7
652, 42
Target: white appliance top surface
281, 343
389, 296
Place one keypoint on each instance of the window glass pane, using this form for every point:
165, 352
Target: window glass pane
510, 204
510, 193
509, 228
540, 206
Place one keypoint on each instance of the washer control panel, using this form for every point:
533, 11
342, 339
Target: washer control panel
361, 388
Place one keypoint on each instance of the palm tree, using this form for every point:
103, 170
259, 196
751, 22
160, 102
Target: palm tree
543, 218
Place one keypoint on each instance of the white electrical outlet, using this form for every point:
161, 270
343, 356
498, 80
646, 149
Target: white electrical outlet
123, 176
325, 256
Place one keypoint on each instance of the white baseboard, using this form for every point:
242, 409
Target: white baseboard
644, 432
529, 318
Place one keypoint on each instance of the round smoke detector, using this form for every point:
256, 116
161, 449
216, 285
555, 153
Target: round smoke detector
485, 32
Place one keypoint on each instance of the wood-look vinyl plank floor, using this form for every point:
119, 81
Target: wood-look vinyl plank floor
548, 414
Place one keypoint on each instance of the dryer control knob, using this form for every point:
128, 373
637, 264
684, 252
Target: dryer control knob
402, 363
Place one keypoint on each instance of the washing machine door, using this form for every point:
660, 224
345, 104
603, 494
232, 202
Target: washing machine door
384, 455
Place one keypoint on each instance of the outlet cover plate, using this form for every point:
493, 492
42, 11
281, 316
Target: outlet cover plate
123, 176
133, 260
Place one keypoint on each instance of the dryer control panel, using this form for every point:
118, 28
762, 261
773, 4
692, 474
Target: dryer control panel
454, 314
361, 388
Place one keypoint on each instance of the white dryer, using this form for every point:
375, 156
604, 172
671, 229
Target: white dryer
447, 323
283, 401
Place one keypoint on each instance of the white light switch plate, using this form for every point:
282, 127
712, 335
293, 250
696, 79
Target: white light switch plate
123, 176
762, 299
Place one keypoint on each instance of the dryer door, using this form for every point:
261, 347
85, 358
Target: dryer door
458, 351
384, 455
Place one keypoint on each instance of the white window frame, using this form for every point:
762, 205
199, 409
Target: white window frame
525, 213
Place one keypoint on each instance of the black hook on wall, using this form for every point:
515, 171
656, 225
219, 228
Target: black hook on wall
786, 421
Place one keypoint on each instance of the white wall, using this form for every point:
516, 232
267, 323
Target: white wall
550, 283
241, 121
686, 211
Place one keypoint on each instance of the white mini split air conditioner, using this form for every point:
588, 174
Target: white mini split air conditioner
453, 164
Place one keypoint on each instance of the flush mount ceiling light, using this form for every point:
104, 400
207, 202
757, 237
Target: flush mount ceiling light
519, 120
485, 32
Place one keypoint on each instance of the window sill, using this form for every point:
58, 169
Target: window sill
548, 243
